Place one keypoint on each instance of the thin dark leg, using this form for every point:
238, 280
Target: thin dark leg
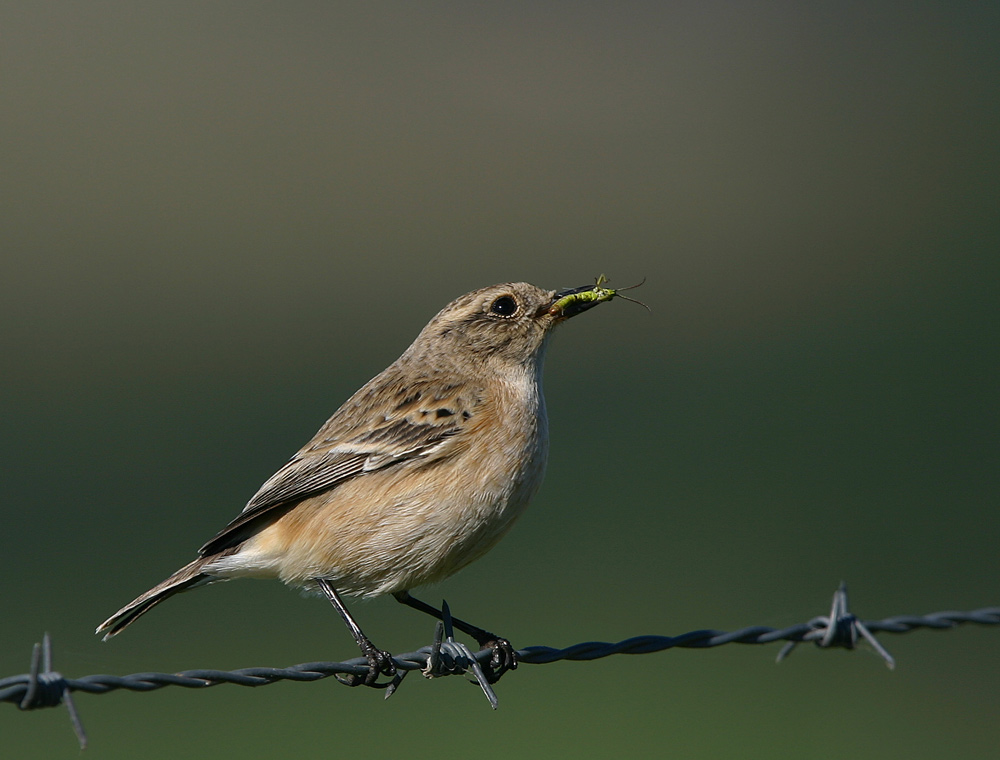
379, 661
504, 655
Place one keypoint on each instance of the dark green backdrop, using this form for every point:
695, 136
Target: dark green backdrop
220, 219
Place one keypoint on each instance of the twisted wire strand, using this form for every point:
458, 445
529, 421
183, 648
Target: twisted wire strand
43, 687
593, 650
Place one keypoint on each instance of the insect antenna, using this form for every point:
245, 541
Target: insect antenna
618, 292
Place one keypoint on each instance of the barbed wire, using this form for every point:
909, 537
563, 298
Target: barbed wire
44, 687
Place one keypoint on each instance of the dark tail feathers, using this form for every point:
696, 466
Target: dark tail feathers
187, 577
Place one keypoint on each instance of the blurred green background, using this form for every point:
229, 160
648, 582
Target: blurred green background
221, 219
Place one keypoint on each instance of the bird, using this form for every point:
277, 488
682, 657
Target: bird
416, 475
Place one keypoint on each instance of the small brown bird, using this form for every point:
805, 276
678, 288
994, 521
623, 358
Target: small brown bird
418, 474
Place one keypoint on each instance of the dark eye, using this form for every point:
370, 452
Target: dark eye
504, 306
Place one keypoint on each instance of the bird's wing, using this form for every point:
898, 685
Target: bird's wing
319, 468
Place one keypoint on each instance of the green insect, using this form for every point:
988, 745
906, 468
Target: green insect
571, 302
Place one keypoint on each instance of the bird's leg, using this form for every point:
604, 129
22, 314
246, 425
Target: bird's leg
504, 656
379, 661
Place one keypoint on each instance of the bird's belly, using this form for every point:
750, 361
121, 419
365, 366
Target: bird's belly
389, 532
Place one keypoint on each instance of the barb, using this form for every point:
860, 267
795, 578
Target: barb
43, 687
840, 629
449, 657
47, 688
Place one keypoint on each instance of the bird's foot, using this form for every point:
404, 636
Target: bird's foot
504, 656
380, 663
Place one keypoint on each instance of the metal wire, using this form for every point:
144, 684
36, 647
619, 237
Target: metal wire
43, 687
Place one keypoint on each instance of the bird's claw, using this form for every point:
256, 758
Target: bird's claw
380, 663
504, 657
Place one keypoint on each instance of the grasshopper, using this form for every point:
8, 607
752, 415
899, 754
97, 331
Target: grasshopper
569, 303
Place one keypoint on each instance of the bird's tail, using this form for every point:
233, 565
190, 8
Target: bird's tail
189, 576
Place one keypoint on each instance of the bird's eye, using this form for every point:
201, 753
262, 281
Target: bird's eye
504, 306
